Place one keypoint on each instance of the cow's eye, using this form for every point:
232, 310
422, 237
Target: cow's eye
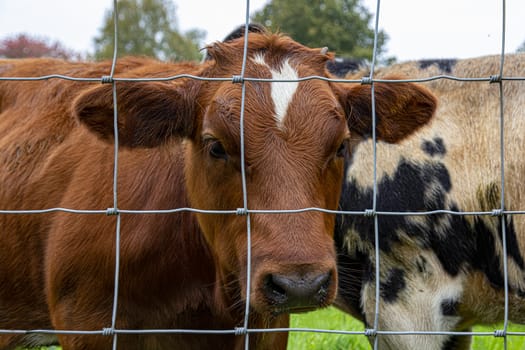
341, 151
216, 150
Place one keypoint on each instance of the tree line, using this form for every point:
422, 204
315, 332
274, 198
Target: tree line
150, 28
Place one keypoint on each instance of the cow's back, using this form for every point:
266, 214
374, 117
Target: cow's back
34, 123
464, 136
468, 119
49, 160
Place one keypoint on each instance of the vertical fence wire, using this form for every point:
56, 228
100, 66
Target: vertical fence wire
502, 169
245, 330
244, 188
374, 189
115, 176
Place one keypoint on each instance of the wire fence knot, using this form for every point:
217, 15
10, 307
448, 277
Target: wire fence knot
370, 332
366, 81
112, 211
499, 333
241, 212
106, 79
241, 331
370, 213
497, 212
237, 79
495, 78
108, 331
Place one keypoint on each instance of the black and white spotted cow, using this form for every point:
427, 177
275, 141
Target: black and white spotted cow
440, 272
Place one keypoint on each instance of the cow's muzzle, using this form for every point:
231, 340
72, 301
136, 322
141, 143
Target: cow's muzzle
297, 292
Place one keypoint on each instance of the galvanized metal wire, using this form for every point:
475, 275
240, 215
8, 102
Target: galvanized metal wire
240, 79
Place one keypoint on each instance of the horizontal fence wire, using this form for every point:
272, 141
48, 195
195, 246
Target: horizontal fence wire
364, 80
242, 211
246, 211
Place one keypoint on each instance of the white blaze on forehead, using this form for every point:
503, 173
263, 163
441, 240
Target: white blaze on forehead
282, 92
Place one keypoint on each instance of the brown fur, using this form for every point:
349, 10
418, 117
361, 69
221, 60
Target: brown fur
180, 270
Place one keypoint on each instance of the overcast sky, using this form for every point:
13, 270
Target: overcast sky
417, 28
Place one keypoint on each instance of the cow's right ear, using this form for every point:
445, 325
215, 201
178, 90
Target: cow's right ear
149, 113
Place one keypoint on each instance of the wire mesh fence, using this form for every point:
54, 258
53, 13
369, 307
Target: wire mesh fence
372, 332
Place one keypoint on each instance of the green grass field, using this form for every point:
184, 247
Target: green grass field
332, 319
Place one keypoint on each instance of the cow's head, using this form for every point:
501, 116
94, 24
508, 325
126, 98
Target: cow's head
296, 135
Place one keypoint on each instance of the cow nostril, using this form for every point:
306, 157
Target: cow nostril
275, 289
297, 291
324, 283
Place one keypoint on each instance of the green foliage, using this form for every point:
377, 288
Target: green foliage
147, 28
342, 25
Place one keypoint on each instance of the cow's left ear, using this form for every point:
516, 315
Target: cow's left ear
401, 108
149, 113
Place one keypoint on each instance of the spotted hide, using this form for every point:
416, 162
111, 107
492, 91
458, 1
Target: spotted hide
440, 272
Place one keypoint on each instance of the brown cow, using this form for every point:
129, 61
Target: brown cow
179, 147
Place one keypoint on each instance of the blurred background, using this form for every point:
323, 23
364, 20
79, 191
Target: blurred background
178, 29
